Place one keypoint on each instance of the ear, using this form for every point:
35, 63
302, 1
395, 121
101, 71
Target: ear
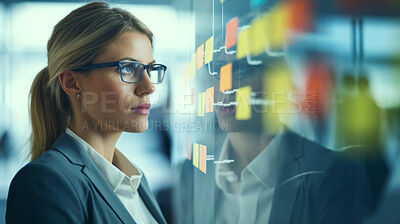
70, 83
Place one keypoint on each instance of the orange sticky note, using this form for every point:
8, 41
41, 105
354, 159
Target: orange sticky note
200, 56
189, 147
209, 50
226, 77
231, 32
196, 155
203, 158
300, 15
202, 101
210, 100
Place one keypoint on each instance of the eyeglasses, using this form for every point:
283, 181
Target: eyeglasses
132, 71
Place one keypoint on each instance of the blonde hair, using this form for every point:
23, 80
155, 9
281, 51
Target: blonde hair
75, 42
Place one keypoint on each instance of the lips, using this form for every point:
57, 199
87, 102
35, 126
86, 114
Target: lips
143, 108
226, 110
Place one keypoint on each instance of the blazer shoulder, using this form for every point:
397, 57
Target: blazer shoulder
43, 191
316, 156
52, 166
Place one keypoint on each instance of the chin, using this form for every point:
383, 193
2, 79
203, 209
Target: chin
136, 126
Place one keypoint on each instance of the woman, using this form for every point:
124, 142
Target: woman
97, 84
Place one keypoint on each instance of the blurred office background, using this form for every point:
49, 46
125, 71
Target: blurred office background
344, 60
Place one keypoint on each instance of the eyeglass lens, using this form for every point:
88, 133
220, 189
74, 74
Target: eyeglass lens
132, 72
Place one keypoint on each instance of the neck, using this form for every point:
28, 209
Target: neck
103, 140
246, 146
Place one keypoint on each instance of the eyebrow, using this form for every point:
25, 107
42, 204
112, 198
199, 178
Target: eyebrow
132, 59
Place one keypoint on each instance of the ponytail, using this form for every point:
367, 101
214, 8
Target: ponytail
47, 119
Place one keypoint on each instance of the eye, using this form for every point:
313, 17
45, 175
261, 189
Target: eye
127, 69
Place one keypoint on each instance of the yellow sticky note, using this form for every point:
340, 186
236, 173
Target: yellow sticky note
192, 66
200, 56
201, 103
226, 77
203, 158
243, 108
209, 50
258, 36
242, 45
196, 155
277, 31
210, 100
278, 85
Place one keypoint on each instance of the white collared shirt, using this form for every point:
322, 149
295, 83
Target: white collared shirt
248, 198
116, 174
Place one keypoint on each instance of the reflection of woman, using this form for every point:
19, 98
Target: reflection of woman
97, 84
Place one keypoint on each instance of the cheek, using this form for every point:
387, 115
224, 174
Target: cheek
108, 96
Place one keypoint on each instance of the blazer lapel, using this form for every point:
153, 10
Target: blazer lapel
286, 189
150, 202
71, 149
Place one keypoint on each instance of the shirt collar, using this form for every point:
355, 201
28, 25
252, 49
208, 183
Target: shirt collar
264, 167
114, 173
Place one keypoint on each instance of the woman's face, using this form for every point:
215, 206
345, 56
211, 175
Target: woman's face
108, 103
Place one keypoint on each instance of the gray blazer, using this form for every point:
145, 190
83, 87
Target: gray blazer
65, 186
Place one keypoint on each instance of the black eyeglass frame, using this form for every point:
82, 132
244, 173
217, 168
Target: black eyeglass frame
120, 63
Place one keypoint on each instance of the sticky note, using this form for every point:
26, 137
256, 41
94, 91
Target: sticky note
192, 66
200, 56
210, 100
203, 158
256, 3
226, 77
209, 50
201, 103
231, 32
300, 15
243, 108
277, 86
195, 155
258, 36
189, 147
278, 27
189, 70
318, 89
242, 44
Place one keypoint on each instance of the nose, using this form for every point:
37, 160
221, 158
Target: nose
144, 87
